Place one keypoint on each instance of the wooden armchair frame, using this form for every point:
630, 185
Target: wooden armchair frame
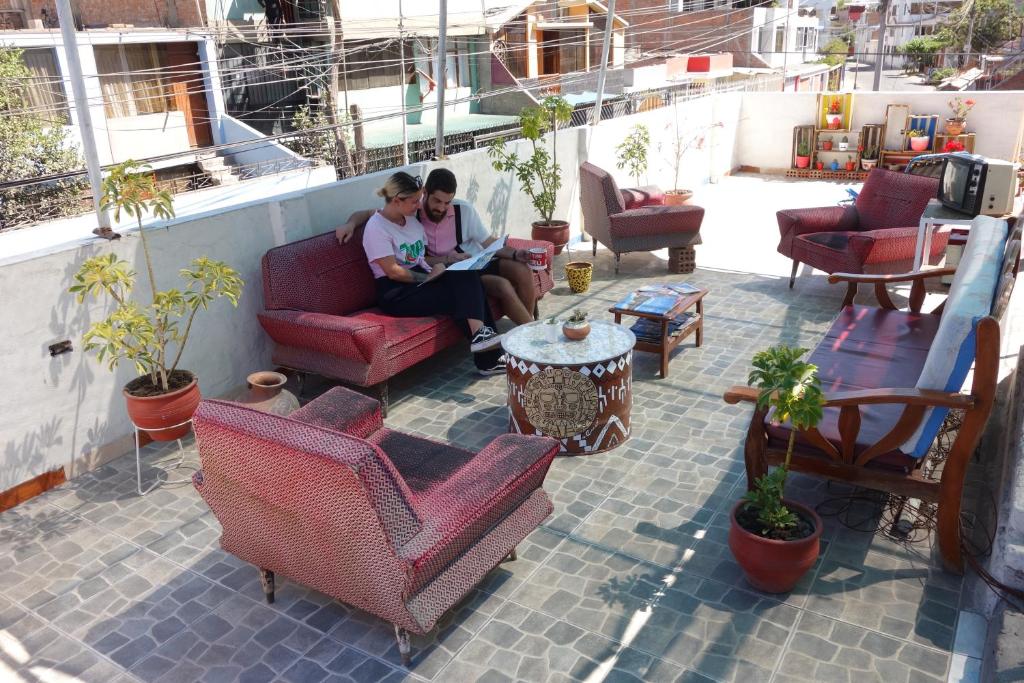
848, 462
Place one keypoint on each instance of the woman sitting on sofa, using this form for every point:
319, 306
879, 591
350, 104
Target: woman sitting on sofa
408, 284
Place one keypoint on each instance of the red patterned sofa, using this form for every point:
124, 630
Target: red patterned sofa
876, 235
393, 524
320, 311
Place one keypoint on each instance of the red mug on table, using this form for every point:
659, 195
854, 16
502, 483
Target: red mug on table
538, 258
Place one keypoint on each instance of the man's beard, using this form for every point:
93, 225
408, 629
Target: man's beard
434, 216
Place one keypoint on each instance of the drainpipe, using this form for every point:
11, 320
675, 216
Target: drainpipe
92, 157
605, 49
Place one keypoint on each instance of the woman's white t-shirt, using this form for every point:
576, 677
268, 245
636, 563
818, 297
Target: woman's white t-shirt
407, 243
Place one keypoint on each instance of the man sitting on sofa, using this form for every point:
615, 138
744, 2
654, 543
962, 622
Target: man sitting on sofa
454, 231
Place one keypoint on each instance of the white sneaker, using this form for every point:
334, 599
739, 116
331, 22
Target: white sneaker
485, 339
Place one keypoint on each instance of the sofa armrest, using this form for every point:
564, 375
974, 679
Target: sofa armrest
331, 334
510, 465
342, 410
793, 222
890, 278
654, 220
521, 243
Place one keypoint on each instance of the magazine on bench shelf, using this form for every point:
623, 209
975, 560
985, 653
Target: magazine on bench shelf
657, 299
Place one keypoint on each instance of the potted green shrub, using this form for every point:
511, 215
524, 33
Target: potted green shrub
633, 152
539, 174
918, 140
869, 159
803, 155
776, 541
576, 326
152, 335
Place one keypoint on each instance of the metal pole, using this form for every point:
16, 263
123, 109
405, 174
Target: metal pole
405, 87
785, 48
92, 158
970, 37
441, 79
605, 49
880, 56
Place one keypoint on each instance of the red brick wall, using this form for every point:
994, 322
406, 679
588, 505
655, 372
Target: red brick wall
141, 13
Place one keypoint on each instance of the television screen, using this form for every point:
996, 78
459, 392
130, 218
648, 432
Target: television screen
954, 181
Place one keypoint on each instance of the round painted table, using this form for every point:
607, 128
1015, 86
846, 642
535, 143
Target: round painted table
579, 392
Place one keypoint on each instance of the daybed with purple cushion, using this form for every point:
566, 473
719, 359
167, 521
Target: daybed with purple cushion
393, 524
320, 311
890, 377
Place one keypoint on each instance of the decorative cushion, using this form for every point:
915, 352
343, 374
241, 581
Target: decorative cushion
970, 298
639, 197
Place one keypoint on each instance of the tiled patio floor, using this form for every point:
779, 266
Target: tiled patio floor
630, 578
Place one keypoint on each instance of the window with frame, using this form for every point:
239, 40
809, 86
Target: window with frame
132, 80
44, 91
780, 39
375, 64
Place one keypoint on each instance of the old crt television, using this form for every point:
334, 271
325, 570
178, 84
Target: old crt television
973, 185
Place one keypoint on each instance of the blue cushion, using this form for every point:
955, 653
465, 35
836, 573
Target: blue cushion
970, 298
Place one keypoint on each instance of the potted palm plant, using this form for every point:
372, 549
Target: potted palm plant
539, 174
633, 152
151, 335
775, 541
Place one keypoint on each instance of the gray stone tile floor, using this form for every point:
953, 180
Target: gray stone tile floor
630, 579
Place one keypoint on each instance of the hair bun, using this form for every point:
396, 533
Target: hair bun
383, 192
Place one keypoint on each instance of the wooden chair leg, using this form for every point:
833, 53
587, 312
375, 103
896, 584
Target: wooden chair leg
404, 646
754, 448
618, 257
593, 247
792, 273
267, 581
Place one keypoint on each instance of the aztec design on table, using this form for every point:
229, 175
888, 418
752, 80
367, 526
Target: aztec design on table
611, 392
561, 402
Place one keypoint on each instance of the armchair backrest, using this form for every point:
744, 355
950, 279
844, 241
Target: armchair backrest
600, 198
893, 200
319, 275
276, 484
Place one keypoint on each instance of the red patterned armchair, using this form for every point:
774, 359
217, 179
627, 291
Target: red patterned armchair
621, 229
876, 235
393, 524
320, 311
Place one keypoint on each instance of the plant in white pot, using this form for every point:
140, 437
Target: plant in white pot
776, 541
539, 174
633, 152
151, 335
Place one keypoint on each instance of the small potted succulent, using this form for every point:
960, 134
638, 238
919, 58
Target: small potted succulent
918, 139
576, 326
775, 541
826, 144
844, 144
803, 155
819, 165
834, 165
851, 165
869, 158
551, 328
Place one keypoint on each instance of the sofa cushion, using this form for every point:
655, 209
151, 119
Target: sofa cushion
319, 275
970, 299
639, 197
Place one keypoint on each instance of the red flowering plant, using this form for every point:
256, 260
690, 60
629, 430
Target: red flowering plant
953, 146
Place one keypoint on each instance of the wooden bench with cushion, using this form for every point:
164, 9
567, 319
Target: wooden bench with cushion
890, 377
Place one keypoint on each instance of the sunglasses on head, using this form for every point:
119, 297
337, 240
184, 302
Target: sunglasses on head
418, 182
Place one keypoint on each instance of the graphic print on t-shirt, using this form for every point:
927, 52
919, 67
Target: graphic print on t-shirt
411, 252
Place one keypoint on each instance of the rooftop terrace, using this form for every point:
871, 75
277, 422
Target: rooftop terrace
629, 579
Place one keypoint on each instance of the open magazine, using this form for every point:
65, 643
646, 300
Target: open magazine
479, 261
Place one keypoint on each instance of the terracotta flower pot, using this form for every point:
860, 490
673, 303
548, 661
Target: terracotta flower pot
678, 197
826, 145
955, 126
851, 165
556, 232
803, 162
267, 393
920, 143
820, 165
868, 164
774, 566
163, 410
576, 331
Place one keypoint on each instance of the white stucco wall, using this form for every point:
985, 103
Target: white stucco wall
765, 133
149, 135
